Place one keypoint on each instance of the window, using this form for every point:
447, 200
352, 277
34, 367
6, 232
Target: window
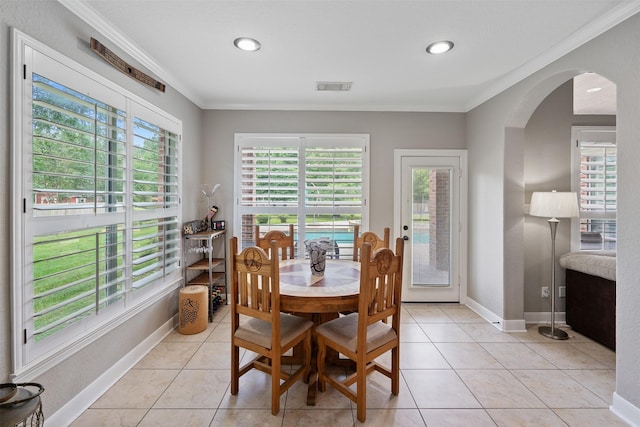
320, 181
594, 178
98, 182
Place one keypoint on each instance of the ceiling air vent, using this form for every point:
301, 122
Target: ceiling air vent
334, 86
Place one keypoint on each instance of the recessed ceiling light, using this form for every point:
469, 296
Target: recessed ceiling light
440, 47
247, 44
594, 89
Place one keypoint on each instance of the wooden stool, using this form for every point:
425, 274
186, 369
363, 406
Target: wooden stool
193, 309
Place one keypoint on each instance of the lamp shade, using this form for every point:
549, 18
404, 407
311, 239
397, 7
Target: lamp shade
554, 204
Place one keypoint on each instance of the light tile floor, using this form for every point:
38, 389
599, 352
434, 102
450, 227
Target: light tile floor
457, 370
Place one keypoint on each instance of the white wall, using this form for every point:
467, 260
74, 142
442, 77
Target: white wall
485, 281
626, 73
614, 55
53, 25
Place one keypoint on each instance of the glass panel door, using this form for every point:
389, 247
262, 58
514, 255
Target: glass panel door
430, 223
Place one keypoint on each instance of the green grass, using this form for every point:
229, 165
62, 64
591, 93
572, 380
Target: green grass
64, 268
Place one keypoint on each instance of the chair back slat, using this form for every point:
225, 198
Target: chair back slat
254, 291
370, 237
381, 293
285, 243
265, 294
244, 291
258, 314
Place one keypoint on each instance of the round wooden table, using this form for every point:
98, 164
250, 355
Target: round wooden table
336, 291
319, 298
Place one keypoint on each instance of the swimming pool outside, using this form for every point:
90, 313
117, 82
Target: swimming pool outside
420, 235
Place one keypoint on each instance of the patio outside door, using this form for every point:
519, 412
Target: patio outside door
430, 222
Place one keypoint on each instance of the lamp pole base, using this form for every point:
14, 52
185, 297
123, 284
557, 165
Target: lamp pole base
555, 333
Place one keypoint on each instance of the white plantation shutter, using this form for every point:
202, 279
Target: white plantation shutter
320, 179
78, 171
78, 152
156, 250
155, 166
269, 176
595, 181
97, 181
598, 178
333, 178
156, 231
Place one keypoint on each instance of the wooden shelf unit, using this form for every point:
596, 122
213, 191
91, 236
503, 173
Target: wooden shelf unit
213, 270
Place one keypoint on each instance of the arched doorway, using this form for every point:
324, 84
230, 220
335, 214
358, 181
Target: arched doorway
547, 151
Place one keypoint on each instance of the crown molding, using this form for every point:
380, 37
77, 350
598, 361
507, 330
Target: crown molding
85, 12
340, 107
607, 21
615, 16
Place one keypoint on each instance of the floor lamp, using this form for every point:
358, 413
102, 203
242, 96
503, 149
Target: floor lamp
553, 205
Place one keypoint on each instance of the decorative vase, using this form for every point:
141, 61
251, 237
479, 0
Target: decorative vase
208, 190
317, 249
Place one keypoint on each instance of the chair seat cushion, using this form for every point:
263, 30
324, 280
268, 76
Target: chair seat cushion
344, 331
259, 332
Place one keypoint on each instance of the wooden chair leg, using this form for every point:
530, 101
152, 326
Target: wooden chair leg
235, 369
275, 385
395, 371
307, 358
361, 388
322, 352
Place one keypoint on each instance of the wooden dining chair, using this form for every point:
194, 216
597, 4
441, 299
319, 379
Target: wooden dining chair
255, 295
369, 237
285, 243
363, 336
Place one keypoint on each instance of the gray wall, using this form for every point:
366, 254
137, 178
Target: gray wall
547, 157
388, 131
494, 220
52, 24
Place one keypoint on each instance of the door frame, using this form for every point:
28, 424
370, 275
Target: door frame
398, 155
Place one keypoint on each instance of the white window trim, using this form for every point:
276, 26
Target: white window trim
21, 369
605, 133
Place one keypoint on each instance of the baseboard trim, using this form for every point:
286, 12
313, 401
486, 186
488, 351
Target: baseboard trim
486, 314
625, 410
517, 325
76, 406
544, 317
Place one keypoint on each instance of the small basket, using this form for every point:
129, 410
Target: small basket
193, 227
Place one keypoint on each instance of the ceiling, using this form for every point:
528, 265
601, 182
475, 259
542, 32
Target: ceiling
378, 45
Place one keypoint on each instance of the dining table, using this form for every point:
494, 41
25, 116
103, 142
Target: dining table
320, 298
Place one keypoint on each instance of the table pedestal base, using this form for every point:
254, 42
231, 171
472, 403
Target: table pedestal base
332, 355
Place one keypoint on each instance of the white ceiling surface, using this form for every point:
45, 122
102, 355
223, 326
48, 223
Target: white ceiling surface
594, 94
379, 45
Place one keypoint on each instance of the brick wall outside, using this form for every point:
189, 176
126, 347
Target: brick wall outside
439, 218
